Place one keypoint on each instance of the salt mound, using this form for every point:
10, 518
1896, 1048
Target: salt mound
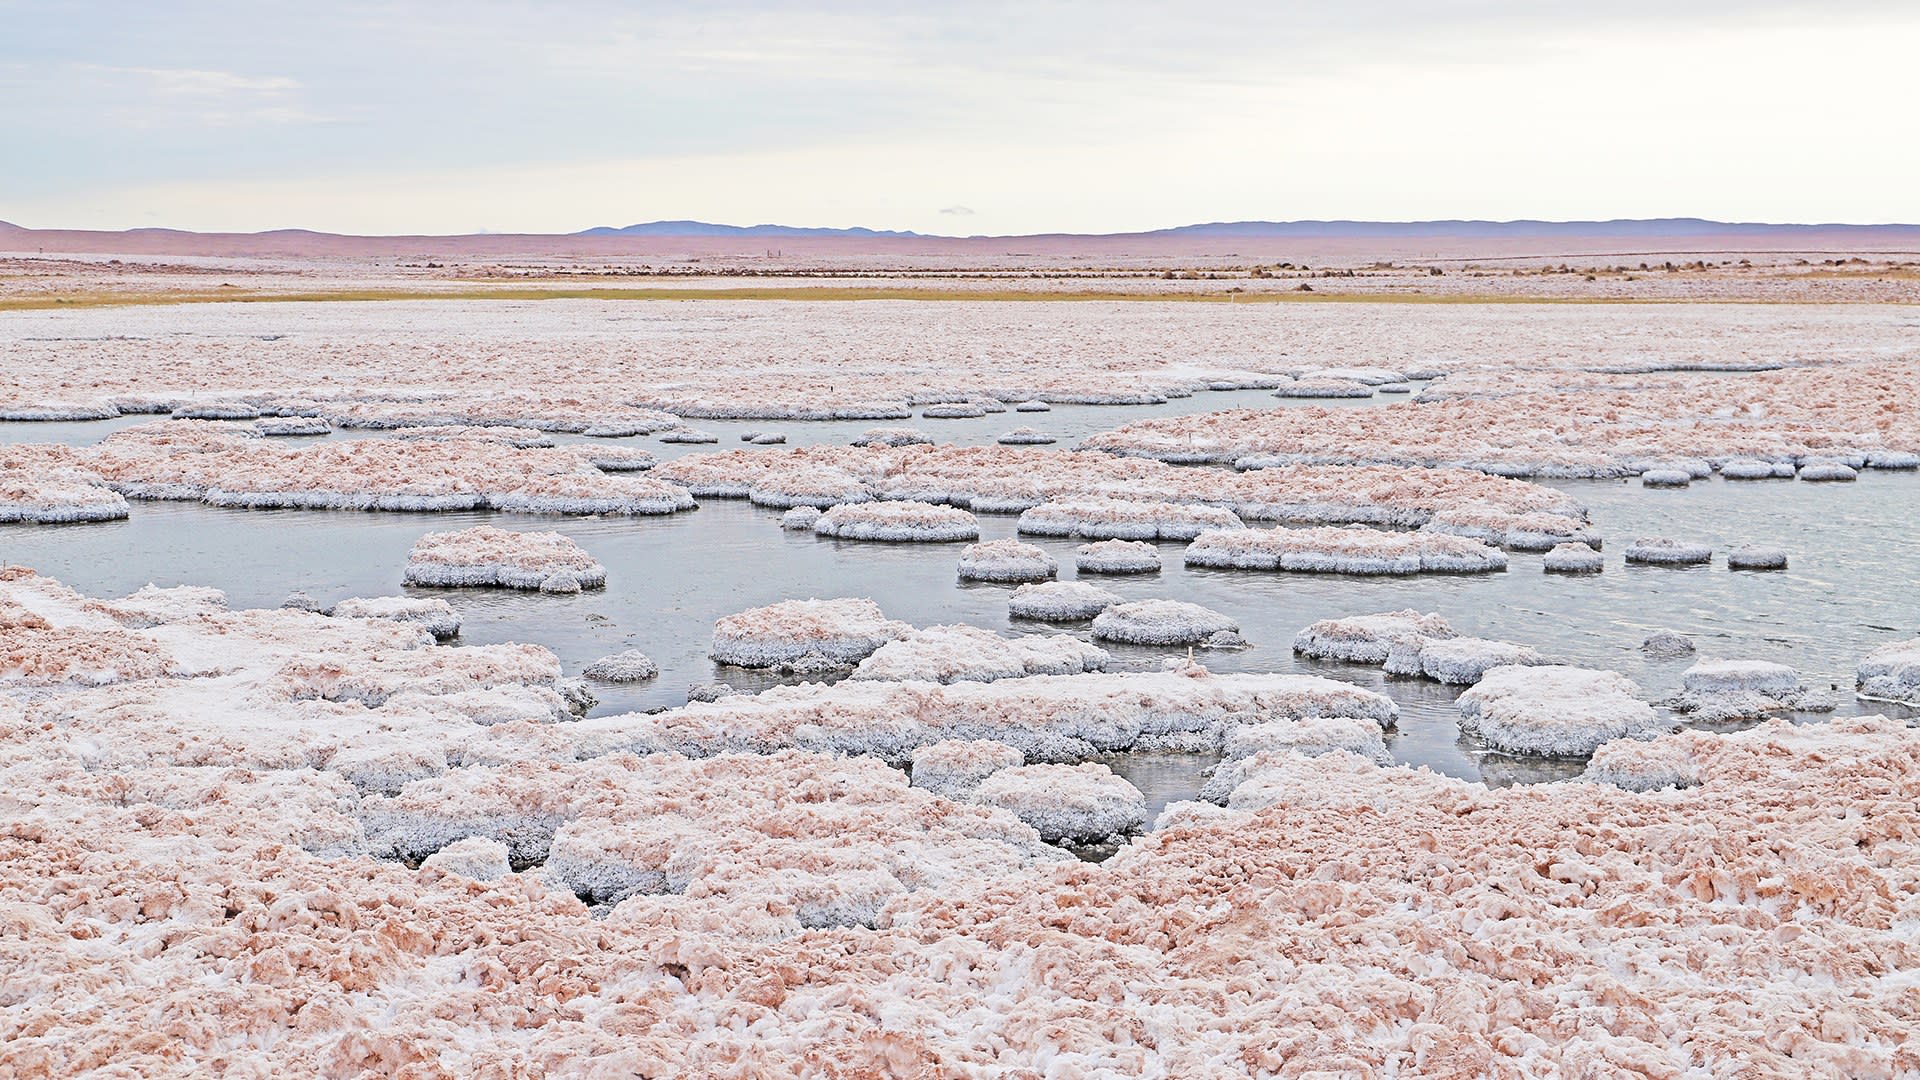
1006, 561
1160, 622
1556, 711
961, 653
893, 436
1026, 436
1324, 388
1032, 406
954, 410
1643, 765
1457, 661
1756, 469
623, 667
1310, 736
1826, 470
478, 857
1080, 804
1367, 639
1573, 559
1891, 673
800, 519
1667, 645
1715, 691
1666, 478
1125, 519
1519, 531
805, 635
618, 458
822, 488
1666, 551
435, 616
485, 556
763, 438
954, 768
151, 605
46, 487
1756, 557
293, 425
1351, 550
1366, 376
689, 435
1892, 459
1117, 557
898, 522
1060, 601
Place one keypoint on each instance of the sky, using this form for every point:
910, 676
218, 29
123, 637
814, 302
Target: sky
961, 119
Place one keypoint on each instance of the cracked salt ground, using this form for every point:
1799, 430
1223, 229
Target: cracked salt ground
670, 578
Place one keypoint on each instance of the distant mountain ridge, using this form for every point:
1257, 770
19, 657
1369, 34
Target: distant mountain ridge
1308, 229
704, 228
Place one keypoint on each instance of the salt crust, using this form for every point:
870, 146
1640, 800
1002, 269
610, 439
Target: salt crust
1756, 557
1573, 559
955, 767
1667, 645
1891, 672
1083, 804
1367, 639
806, 636
1556, 711
478, 857
1720, 690
1251, 748
1026, 436
1457, 661
893, 436
435, 616
800, 519
1350, 550
1117, 557
486, 556
1059, 601
51, 486
1665, 478
1006, 561
1666, 551
629, 666
1160, 622
898, 522
1125, 519
961, 653
1324, 388
1644, 765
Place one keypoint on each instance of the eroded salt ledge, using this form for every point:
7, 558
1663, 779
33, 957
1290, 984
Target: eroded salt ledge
1892, 672
188, 844
1410, 643
807, 636
961, 653
1117, 557
486, 556
1556, 711
899, 522
1350, 550
1715, 691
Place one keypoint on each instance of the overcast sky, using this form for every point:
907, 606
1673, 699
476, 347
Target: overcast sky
976, 118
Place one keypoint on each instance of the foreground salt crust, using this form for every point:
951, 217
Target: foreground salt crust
485, 556
1556, 711
1059, 601
1251, 749
1125, 519
805, 635
898, 522
435, 616
1161, 622
1721, 690
1892, 672
52, 487
1078, 804
1117, 557
1644, 765
1006, 561
1350, 550
962, 653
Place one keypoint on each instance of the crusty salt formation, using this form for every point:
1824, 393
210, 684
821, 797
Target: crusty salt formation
954, 410
1324, 388
893, 436
293, 426
1665, 478
689, 435
484, 556
1006, 561
763, 438
1250, 748
1366, 376
1160, 622
628, 666
1644, 765
1756, 469
1080, 804
150, 605
1456, 661
1756, 557
435, 616
618, 458
961, 653
481, 858
1032, 406
1715, 691
898, 522
1573, 559
1666, 551
954, 768
1350, 550
1667, 645
1367, 639
1530, 531
1060, 601
805, 635
1117, 557
1556, 711
50, 486
1125, 519
800, 518
1026, 436
1891, 672
1827, 470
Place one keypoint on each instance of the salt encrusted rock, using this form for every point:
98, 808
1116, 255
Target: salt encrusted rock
800, 518
1026, 436
898, 522
1666, 551
217, 410
1310, 736
1188, 813
1125, 519
805, 635
710, 692
1667, 645
629, 666
1643, 765
1459, 661
893, 436
689, 435
1666, 478
1117, 557
1060, 601
1079, 804
1826, 470
435, 616
954, 768
1324, 388
1366, 376
1892, 459
1756, 469
1536, 531
152, 605
1006, 561
1556, 711
1719, 690
1351, 550
1367, 639
1573, 559
1032, 406
1160, 622
578, 696
1694, 468
45, 486
822, 488
1891, 673
763, 438
618, 458
1226, 639
954, 410
293, 425
298, 600
481, 858
484, 556
961, 653
1756, 557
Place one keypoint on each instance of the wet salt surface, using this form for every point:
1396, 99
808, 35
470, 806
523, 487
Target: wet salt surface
1850, 589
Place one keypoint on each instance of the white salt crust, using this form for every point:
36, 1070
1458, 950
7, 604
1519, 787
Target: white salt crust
1666, 551
481, 858
1715, 691
1026, 436
1081, 804
632, 665
1160, 622
1821, 470
800, 519
1251, 748
805, 635
898, 522
1006, 561
1756, 557
1573, 559
1457, 661
435, 616
955, 767
1756, 469
1059, 601
1324, 388
1350, 550
961, 653
893, 436
1124, 519
484, 556
1556, 711
1367, 639
1667, 645
1644, 765
1665, 478
1891, 673
1117, 557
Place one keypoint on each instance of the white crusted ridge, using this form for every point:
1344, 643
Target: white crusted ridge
1160, 622
962, 653
897, 522
1117, 557
805, 635
1556, 711
1059, 601
1006, 561
484, 556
